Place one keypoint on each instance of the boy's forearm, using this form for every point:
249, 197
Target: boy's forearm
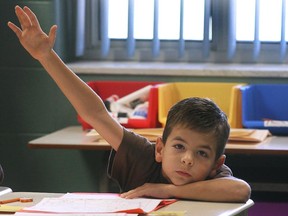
216, 190
77, 92
86, 102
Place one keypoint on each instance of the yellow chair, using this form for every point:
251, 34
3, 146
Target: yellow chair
226, 95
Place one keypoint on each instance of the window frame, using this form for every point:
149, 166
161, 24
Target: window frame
222, 49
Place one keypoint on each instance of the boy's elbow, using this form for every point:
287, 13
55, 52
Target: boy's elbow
243, 192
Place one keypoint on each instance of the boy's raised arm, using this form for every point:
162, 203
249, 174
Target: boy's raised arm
86, 102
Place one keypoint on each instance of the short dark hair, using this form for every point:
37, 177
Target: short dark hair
201, 115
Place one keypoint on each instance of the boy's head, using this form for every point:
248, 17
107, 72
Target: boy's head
200, 115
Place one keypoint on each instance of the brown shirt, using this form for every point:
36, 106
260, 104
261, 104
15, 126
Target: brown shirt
134, 163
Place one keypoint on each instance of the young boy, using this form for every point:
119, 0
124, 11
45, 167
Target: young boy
187, 162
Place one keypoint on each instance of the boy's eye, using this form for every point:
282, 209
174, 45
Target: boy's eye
203, 154
178, 146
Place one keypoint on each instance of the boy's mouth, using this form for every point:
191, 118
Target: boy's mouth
183, 173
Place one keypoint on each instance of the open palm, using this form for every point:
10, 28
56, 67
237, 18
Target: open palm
30, 35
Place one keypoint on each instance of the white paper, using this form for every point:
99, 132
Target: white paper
274, 123
93, 203
79, 214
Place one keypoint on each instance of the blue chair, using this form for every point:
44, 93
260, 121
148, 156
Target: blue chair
262, 102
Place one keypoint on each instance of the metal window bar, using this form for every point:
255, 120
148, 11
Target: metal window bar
92, 25
206, 41
256, 43
130, 38
105, 41
231, 30
181, 37
283, 30
80, 28
59, 19
156, 41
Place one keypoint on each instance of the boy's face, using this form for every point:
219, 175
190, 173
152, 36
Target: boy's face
187, 156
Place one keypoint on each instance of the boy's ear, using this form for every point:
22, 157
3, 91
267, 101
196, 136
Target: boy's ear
217, 165
158, 149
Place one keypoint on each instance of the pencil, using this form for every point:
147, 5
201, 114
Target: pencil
9, 201
24, 200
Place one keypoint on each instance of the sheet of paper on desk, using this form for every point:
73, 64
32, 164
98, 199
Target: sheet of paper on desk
275, 123
236, 134
248, 135
96, 203
80, 214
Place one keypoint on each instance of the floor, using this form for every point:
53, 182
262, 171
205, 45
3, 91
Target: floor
269, 209
269, 204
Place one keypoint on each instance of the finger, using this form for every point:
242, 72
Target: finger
33, 18
133, 193
52, 35
127, 195
22, 17
15, 29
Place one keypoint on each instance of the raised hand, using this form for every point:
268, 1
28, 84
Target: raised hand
31, 36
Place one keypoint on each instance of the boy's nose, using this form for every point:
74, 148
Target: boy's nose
187, 159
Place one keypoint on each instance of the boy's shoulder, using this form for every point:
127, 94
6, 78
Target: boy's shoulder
224, 171
131, 136
135, 144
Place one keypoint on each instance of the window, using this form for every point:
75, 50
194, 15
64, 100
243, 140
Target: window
168, 19
219, 31
269, 25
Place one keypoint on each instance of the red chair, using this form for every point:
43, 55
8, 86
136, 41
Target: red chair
122, 88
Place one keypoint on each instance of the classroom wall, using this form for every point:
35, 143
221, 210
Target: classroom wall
32, 106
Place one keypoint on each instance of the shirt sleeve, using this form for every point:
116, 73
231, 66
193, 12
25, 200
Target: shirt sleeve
224, 171
132, 163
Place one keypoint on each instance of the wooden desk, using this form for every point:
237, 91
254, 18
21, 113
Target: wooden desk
74, 137
191, 207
